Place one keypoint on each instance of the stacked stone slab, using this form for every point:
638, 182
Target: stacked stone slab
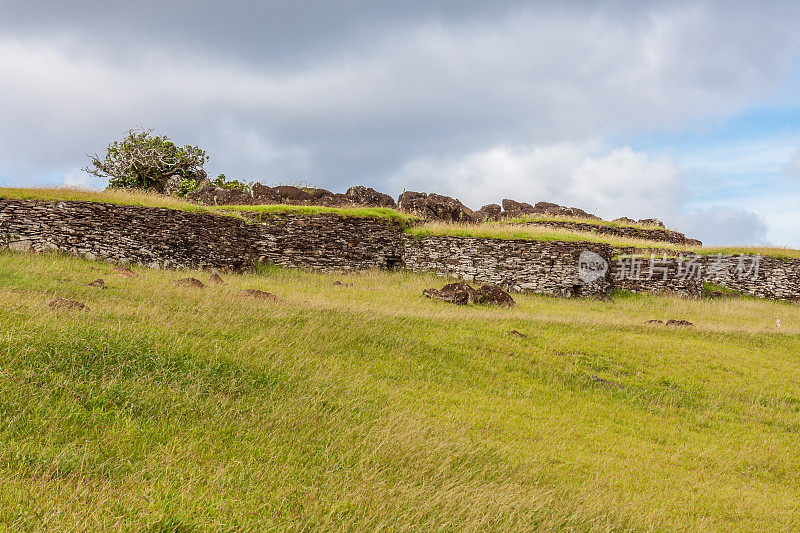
171, 238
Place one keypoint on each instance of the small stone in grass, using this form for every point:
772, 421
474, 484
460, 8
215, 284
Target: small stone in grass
125, 272
259, 295
340, 284
516, 333
99, 283
605, 382
217, 279
67, 304
672, 322
655, 322
189, 282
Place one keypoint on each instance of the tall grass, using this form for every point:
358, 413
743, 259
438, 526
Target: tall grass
372, 407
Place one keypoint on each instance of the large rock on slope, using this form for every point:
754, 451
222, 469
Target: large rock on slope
492, 294
210, 195
455, 293
488, 212
513, 209
435, 207
547, 208
368, 196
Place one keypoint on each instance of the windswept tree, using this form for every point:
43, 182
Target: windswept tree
151, 162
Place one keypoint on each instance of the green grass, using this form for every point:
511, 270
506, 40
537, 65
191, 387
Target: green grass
149, 199
533, 219
548, 234
372, 407
362, 212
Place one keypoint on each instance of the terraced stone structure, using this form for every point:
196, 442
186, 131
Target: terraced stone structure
170, 238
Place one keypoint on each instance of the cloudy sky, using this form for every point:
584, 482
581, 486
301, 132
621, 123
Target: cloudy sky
689, 112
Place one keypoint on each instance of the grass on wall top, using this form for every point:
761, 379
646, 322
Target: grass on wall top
150, 199
538, 219
548, 234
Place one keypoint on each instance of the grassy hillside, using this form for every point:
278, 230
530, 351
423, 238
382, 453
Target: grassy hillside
369, 406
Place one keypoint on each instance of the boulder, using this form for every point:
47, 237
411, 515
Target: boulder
652, 222
682, 323
292, 195
211, 195
189, 282
456, 293
327, 198
513, 209
435, 207
488, 212
258, 295
264, 195
125, 272
368, 196
547, 208
98, 283
492, 294
67, 304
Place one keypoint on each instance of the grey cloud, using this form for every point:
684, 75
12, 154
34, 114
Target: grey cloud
344, 92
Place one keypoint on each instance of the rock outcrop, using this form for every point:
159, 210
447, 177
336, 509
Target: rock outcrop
488, 212
492, 294
367, 196
434, 207
455, 293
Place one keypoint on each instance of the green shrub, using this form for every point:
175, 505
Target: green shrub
145, 161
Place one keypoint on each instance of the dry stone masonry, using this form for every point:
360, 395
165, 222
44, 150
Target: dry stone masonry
329, 242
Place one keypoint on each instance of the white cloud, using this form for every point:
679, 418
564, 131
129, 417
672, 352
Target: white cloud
792, 167
608, 182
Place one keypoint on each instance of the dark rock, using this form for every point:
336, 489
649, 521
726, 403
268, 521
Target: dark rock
492, 294
488, 212
516, 333
189, 282
211, 195
456, 293
340, 284
655, 322
434, 207
292, 195
264, 195
368, 196
547, 208
99, 283
652, 222
604, 382
258, 295
67, 304
216, 279
124, 272
672, 322
514, 209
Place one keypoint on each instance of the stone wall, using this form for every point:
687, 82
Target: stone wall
542, 267
330, 242
151, 236
172, 238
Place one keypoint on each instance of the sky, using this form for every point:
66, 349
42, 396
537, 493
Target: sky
684, 111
